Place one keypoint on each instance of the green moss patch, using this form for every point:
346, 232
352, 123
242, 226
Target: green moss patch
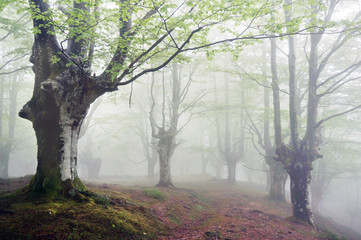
155, 193
66, 219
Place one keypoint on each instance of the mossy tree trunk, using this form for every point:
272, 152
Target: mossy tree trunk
57, 111
63, 92
299, 170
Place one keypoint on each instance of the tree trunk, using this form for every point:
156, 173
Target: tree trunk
278, 176
57, 110
4, 161
57, 138
205, 160
152, 161
231, 167
318, 185
165, 151
164, 164
300, 176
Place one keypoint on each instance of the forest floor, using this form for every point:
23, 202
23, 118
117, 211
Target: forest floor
210, 209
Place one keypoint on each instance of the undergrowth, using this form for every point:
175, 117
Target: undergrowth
155, 193
21, 218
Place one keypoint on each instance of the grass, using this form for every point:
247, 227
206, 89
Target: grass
155, 193
328, 235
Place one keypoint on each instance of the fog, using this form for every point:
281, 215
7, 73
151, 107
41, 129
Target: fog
222, 108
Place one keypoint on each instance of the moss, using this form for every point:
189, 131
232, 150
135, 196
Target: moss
99, 199
155, 193
52, 186
78, 184
68, 219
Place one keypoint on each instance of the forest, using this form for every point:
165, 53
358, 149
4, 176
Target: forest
180, 119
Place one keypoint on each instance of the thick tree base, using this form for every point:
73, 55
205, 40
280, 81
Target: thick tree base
165, 184
43, 188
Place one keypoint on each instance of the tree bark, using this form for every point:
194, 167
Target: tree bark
165, 151
277, 173
63, 92
57, 132
231, 167
278, 180
300, 176
57, 110
152, 161
4, 161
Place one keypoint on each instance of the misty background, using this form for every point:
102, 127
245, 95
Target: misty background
223, 101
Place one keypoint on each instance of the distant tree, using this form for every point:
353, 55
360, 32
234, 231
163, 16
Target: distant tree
230, 128
8, 104
166, 127
150, 151
87, 157
277, 173
14, 53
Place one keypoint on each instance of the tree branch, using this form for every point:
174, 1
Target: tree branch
336, 115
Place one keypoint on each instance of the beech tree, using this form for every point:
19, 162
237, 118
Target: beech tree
66, 44
229, 123
299, 155
73, 39
277, 174
166, 127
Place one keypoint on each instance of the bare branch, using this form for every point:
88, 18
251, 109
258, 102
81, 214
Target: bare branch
336, 115
255, 146
336, 86
16, 70
165, 63
13, 59
348, 70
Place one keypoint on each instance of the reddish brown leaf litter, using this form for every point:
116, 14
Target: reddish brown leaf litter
211, 210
